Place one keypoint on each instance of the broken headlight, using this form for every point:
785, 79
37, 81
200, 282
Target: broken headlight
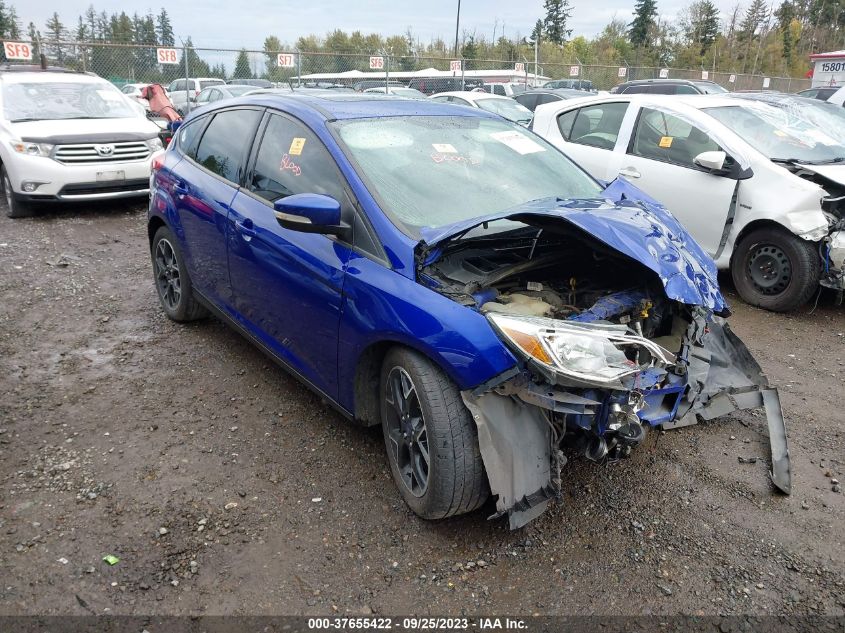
594, 354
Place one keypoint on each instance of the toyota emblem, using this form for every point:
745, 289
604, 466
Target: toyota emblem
104, 150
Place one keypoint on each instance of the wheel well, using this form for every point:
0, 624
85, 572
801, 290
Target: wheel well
367, 381
154, 225
753, 226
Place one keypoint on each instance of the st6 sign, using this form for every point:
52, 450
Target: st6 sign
376, 63
17, 50
167, 56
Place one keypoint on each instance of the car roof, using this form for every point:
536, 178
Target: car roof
556, 91
668, 81
345, 105
31, 76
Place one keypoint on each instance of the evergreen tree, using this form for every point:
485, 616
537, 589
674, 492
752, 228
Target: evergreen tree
242, 69
469, 52
536, 33
702, 27
554, 26
164, 29
54, 33
639, 31
9, 28
785, 14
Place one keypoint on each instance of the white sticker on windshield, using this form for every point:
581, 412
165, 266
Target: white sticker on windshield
519, 143
444, 148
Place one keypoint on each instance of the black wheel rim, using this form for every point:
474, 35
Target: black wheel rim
406, 431
168, 281
770, 269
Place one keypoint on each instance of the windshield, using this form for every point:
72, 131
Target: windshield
211, 82
710, 88
433, 171
407, 92
39, 101
507, 108
779, 136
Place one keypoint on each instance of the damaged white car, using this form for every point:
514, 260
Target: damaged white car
762, 191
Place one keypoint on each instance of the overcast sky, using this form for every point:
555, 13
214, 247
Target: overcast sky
246, 23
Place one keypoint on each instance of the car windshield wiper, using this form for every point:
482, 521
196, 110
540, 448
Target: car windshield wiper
794, 161
830, 161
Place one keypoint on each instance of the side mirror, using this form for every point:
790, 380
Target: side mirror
174, 125
720, 164
714, 161
311, 213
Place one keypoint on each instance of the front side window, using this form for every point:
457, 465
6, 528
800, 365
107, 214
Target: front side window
290, 160
62, 100
223, 147
189, 135
433, 171
598, 125
499, 90
664, 137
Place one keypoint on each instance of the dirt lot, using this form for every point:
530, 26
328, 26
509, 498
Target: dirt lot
225, 487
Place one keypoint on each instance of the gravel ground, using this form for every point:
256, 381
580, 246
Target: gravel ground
225, 487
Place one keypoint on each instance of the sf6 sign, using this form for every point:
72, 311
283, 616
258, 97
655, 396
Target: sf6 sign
17, 50
376, 63
167, 56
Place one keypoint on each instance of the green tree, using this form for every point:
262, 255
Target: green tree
9, 27
242, 69
640, 30
469, 52
54, 33
785, 14
554, 25
164, 29
536, 33
702, 27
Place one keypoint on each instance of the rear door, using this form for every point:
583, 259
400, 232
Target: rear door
204, 184
287, 284
660, 161
590, 135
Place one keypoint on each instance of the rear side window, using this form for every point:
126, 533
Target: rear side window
528, 100
547, 98
290, 160
213, 82
225, 142
598, 125
179, 84
661, 136
565, 121
189, 136
499, 90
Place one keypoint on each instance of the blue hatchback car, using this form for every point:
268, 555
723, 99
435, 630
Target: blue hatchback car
454, 278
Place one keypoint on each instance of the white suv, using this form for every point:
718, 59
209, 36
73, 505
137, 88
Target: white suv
70, 136
183, 91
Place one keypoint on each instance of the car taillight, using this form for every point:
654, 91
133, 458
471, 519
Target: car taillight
158, 162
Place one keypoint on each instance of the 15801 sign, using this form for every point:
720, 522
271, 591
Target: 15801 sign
832, 67
167, 56
17, 50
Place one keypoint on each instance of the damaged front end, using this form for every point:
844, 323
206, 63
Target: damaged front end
610, 309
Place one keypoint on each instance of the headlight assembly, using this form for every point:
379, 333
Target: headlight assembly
591, 354
32, 149
155, 144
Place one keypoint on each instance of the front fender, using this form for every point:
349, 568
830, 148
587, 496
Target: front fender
381, 305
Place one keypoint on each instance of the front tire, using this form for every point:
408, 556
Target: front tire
431, 438
172, 281
14, 208
775, 270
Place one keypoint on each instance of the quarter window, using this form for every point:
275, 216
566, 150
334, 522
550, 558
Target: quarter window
664, 137
223, 146
598, 125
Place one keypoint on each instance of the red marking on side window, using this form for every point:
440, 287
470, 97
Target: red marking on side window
288, 164
438, 158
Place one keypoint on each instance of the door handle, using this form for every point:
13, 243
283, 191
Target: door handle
630, 172
180, 189
245, 227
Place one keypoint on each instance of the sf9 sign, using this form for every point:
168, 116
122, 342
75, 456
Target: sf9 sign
17, 50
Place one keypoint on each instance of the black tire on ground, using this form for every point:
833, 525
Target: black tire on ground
172, 282
437, 424
776, 270
14, 208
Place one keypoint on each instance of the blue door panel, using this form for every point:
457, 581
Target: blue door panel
287, 289
383, 305
202, 203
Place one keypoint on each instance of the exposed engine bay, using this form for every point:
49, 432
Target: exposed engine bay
604, 355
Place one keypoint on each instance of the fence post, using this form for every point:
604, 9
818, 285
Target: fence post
187, 75
463, 81
386, 74
298, 68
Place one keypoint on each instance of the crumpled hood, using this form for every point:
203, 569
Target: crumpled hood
627, 220
834, 173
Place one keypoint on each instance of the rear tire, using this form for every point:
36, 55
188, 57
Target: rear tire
776, 270
14, 208
172, 281
431, 438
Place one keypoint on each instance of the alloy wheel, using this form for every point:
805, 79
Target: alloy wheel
406, 431
168, 281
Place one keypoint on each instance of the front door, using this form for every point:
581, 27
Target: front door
287, 285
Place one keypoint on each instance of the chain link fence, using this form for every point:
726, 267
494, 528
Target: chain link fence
127, 63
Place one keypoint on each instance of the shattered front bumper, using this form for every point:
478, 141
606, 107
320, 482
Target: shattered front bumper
521, 446
833, 261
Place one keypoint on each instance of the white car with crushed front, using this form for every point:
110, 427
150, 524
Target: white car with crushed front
760, 189
68, 136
